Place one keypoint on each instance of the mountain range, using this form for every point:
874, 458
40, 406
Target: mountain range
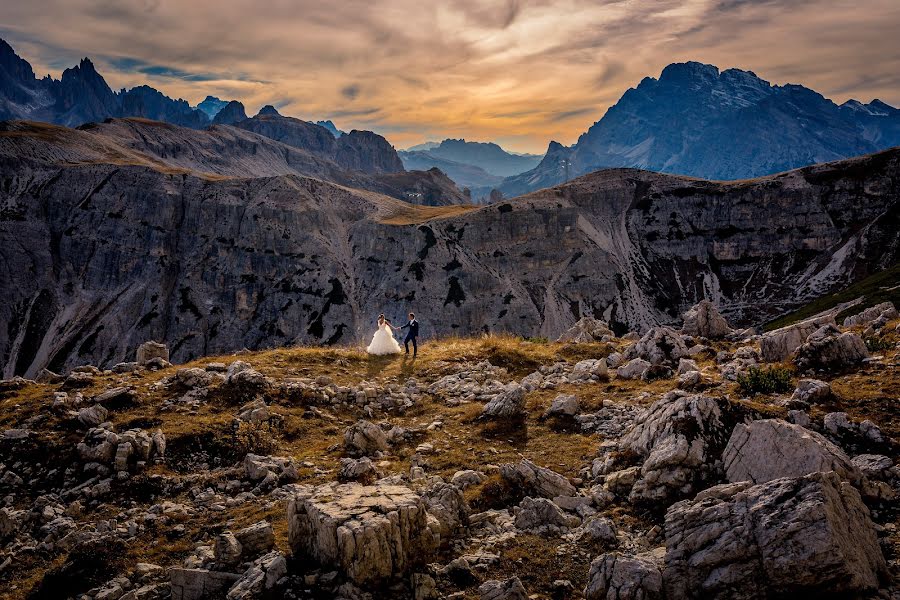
695, 120
479, 166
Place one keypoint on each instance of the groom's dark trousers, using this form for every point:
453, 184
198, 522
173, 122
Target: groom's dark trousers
411, 338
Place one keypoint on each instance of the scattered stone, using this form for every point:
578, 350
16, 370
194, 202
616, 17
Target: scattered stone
703, 320
800, 536
563, 406
636, 368
619, 577
541, 514
92, 416
193, 377
364, 438
362, 470
812, 391
263, 575
660, 346
467, 478
368, 532
587, 330
256, 539
601, 530
259, 467
198, 584
509, 404
511, 589
536, 481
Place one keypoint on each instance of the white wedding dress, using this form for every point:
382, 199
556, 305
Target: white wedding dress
383, 342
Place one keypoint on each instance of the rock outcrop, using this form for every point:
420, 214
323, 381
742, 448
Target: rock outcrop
368, 532
829, 349
800, 536
704, 320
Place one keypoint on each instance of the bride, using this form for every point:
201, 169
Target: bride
383, 341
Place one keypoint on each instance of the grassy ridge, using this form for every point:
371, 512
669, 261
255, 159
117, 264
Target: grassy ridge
880, 287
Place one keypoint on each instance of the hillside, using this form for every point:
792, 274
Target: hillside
155, 479
289, 259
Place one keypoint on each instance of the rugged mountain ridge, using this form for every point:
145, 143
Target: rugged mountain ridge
695, 120
101, 255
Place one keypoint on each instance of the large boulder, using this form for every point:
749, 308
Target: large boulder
704, 320
791, 537
680, 438
150, 350
771, 448
585, 330
660, 346
532, 480
370, 533
494, 589
261, 576
780, 344
829, 349
509, 404
364, 438
616, 576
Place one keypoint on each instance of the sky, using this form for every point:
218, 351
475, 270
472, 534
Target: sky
517, 72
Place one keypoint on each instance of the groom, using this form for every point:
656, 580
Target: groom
412, 334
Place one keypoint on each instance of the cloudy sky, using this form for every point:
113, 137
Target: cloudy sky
520, 72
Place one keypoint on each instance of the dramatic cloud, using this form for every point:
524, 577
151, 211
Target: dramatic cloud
521, 72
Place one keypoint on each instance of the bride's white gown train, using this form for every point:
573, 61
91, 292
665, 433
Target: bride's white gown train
383, 342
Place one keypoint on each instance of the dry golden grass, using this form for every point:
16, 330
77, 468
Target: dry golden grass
401, 213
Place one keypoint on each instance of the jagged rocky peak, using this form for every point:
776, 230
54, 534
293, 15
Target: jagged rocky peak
211, 106
231, 114
268, 111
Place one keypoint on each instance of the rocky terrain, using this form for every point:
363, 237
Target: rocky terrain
695, 120
697, 462
132, 230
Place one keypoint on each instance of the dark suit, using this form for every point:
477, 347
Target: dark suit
411, 336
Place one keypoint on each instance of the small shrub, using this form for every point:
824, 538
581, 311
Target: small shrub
254, 438
765, 381
878, 344
537, 340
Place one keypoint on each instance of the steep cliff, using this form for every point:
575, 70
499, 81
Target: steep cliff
99, 256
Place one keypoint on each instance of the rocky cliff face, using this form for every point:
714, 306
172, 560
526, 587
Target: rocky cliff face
104, 254
695, 120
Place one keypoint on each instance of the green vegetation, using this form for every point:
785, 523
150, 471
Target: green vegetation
765, 381
880, 287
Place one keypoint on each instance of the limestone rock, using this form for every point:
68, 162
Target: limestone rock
564, 405
536, 481
255, 412
681, 438
541, 514
228, 549
362, 470
258, 467
620, 577
199, 584
799, 537
829, 349
704, 320
885, 310
812, 391
262, 575
509, 404
364, 438
466, 478
256, 538
586, 330
660, 346
511, 589
771, 448
447, 504
91, 416
193, 377
635, 368
368, 532
781, 344
150, 350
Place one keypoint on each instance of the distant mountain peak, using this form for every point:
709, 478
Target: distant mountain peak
268, 110
232, 113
